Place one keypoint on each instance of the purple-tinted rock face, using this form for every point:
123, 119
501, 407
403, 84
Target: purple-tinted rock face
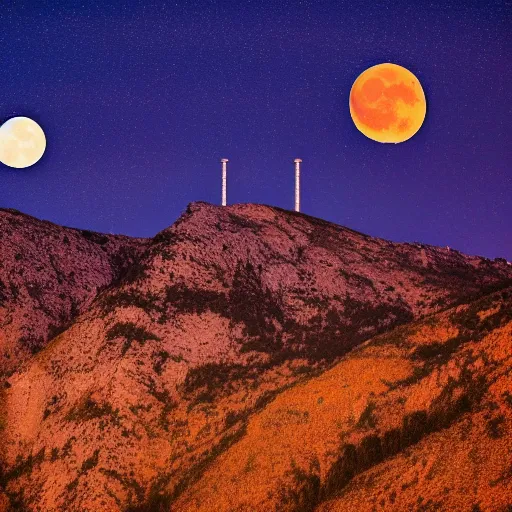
49, 274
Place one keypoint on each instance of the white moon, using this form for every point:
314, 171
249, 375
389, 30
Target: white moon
22, 142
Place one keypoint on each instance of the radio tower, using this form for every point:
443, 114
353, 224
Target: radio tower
297, 184
224, 177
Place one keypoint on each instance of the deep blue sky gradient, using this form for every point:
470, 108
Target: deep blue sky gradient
140, 100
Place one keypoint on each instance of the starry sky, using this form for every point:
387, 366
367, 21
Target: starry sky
140, 100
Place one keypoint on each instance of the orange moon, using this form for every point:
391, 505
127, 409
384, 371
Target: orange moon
387, 103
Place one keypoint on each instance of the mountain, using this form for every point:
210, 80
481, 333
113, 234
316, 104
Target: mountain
156, 361
48, 275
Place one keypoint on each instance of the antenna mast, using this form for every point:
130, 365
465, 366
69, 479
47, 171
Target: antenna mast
297, 184
224, 178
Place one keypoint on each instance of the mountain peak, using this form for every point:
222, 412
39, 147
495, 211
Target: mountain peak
129, 364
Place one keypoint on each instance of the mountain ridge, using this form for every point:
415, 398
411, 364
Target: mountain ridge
181, 339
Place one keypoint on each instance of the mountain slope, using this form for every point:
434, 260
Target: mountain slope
416, 419
48, 275
218, 315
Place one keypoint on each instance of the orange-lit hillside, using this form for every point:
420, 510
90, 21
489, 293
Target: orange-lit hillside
420, 417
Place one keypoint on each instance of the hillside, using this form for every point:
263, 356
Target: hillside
181, 342
48, 275
416, 419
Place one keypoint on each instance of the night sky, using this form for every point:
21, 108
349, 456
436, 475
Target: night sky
140, 100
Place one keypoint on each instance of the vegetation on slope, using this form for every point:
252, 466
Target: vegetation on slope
381, 400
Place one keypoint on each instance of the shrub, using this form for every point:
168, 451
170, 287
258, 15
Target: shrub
130, 332
232, 418
214, 376
35, 290
441, 351
507, 397
97, 238
156, 502
72, 485
32, 343
369, 452
88, 409
90, 463
54, 454
391, 442
15, 291
55, 330
345, 329
137, 271
197, 471
162, 358
3, 293
244, 222
132, 297
23, 467
367, 418
414, 427
304, 495
188, 300
256, 307
494, 427
342, 471
125, 481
